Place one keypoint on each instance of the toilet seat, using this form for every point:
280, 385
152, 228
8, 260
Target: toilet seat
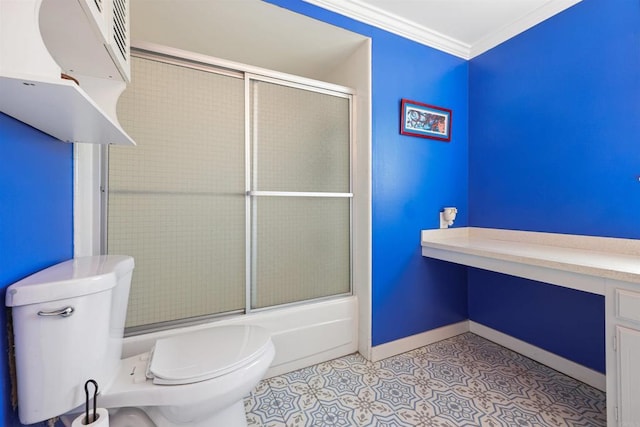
206, 354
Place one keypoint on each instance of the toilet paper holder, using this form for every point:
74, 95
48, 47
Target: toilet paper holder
88, 420
100, 416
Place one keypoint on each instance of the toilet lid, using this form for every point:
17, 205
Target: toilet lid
209, 353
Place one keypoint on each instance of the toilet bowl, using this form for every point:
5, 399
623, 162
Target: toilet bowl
68, 323
198, 378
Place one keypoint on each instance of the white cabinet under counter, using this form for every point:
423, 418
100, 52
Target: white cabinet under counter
599, 265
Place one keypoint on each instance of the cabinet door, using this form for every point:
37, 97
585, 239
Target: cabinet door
628, 376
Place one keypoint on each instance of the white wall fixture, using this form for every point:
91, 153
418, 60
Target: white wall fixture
447, 216
42, 42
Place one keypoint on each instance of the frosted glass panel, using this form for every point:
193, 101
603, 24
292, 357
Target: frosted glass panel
188, 252
303, 140
176, 201
189, 129
302, 249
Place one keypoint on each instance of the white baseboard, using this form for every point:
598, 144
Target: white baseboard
560, 364
403, 345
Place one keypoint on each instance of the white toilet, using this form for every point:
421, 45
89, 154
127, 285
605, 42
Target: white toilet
68, 323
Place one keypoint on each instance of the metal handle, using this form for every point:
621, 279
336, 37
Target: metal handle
63, 312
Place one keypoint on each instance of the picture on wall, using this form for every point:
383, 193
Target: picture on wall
425, 121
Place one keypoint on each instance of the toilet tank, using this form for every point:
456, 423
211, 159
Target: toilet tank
68, 325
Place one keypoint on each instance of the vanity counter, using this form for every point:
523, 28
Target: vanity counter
600, 265
579, 262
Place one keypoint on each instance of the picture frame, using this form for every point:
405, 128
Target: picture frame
425, 121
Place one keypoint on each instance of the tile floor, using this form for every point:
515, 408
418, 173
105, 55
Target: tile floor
462, 381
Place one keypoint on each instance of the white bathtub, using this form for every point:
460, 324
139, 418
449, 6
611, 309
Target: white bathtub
303, 334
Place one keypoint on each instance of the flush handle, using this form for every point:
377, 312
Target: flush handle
63, 312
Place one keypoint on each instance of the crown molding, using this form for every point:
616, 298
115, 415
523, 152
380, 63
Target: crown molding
521, 25
395, 24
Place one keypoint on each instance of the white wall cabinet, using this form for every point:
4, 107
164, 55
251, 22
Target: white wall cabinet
88, 39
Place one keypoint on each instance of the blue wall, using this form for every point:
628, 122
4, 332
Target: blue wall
561, 320
554, 127
36, 222
413, 179
554, 147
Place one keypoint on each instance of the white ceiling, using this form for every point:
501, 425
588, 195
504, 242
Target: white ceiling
246, 31
261, 34
464, 28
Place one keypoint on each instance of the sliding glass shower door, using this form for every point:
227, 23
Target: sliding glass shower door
237, 197
301, 194
176, 200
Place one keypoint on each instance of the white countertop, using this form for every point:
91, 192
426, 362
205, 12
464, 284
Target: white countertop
579, 262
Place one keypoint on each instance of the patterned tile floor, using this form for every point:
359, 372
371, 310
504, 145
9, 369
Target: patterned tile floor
462, 381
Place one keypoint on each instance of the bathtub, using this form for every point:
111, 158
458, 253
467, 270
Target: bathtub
303, 334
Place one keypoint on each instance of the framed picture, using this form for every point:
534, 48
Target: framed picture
425, 121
